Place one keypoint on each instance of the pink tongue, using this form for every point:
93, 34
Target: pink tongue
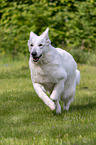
35, 59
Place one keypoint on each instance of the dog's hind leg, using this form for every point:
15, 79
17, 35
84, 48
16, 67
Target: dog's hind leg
66, 106
69, 99
58, 107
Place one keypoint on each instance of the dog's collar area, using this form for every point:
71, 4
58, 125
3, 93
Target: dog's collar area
35, 59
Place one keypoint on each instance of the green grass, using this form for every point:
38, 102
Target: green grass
26, 120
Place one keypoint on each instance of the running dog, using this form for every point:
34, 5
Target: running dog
53, 70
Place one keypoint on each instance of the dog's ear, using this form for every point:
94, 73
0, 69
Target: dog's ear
31, 38
45, 36
45, 33
32, 35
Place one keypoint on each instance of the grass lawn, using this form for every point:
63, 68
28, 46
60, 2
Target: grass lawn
26, 120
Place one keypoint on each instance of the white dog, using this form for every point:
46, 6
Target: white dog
53, 70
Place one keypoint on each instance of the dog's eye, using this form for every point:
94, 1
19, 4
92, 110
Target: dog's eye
40, 45
31, 45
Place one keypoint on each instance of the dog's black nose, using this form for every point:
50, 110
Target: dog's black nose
34, 53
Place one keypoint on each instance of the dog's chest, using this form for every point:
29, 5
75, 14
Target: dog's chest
44, 74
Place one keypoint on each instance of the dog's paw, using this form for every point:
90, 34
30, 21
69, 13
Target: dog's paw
52, 106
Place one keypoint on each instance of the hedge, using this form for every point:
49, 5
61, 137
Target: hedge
72, 23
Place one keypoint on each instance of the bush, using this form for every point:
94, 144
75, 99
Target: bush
71, 23
79, 55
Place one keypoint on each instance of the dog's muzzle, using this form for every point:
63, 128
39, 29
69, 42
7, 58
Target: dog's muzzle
35, 57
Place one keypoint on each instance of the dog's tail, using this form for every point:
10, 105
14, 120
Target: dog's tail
78, 76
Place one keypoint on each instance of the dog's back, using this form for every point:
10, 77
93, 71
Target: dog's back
68, 61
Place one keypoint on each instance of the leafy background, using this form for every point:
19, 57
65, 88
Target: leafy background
24, 118
72, 24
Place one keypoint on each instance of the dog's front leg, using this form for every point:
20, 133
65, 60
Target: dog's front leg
43, 96
58, 90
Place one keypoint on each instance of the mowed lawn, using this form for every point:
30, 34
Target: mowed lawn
26, 120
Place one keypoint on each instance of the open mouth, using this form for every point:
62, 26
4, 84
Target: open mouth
35, 59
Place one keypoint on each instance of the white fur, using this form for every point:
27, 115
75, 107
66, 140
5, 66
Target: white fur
55, 72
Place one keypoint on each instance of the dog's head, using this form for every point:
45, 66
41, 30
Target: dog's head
38, 44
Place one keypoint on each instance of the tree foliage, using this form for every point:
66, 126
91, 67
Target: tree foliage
72, 23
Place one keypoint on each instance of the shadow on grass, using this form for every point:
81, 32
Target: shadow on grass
82, 107
77, 108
